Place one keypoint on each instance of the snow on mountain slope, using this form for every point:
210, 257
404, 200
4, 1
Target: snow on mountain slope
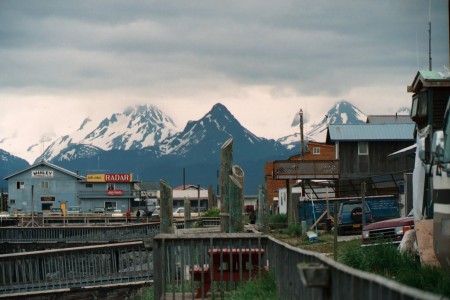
342, 112
137, 127
217, 125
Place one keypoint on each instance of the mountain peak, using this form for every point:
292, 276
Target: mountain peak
135, 128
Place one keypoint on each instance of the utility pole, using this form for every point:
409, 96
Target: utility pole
301, 133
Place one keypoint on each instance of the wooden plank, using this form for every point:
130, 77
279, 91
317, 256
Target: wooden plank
318, 220
424, 235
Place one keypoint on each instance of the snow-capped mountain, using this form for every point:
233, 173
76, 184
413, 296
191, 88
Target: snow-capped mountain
136, 128
342, 112
210, 132
197, 148
404, 111
143, 141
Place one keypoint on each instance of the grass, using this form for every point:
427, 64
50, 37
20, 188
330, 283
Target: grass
262, 287
387, 261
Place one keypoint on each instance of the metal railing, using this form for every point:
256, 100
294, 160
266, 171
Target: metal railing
75, 268
78, 234
86, 233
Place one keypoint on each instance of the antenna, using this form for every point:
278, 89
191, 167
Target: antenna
301, 132
429, 37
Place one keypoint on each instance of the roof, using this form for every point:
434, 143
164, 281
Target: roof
45, 163
429, 79
187, 187
389, 119
371, 132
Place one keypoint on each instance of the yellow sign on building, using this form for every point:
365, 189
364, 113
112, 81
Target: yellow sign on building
95, 178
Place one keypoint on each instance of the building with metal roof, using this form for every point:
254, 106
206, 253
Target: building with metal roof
363, 150
370, 132
389, 119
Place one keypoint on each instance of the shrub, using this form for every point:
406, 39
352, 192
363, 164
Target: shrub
278, 221
293, 230
212, 212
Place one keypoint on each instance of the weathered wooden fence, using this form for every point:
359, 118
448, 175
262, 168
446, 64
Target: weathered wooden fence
184, 266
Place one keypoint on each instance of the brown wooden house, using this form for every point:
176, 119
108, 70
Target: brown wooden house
314, 152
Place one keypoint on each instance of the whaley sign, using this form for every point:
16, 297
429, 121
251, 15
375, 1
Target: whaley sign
109, 178
41, 173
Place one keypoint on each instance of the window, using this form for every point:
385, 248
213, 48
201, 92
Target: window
89, 185
110, 205
363, 148
44, 185
20, 185
110, 187
316, 150
46, 206
12, 201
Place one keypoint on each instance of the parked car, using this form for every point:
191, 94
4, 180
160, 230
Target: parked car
73, 210
350, 217
4, 214
387, 231
56, 211
99, 210
156, 212
179, 213
117, 213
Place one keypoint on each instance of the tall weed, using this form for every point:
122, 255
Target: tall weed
386, 260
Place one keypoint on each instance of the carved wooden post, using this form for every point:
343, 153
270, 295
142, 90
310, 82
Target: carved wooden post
166, 213
236, 200
225, 172
263, 207
236, 193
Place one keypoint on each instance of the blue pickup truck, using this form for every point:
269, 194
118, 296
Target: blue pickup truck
350, 216
381, 207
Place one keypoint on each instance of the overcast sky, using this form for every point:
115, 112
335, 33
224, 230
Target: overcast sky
62, 61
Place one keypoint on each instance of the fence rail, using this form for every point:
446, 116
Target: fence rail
75, 267
85, 233
77, 234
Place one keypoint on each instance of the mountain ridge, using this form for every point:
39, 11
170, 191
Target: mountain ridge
196, 148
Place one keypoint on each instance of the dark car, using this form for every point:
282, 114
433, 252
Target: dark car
387, 231
350, 217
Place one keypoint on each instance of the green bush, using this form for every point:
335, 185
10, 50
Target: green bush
293, 230
212, 212
281, 218
278, 221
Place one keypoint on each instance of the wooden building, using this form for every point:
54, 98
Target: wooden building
363, 150
314, 152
